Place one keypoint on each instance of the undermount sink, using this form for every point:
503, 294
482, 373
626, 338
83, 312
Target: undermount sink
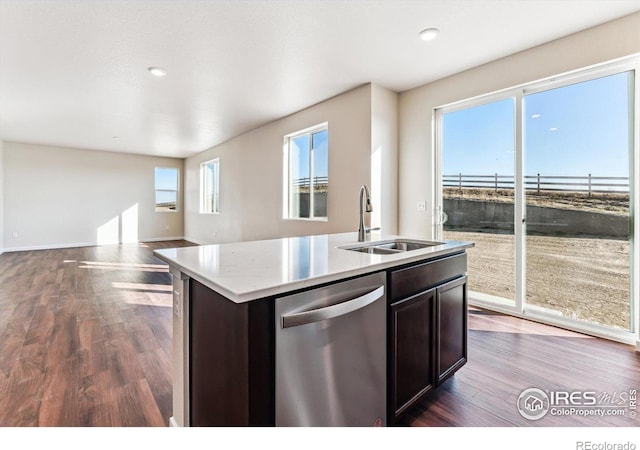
390, 247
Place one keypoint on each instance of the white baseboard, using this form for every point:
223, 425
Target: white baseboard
638, 346
29, 248
160, 239
196, 241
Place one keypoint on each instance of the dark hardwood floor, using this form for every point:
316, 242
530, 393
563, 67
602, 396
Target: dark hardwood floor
508, 355
85, 337
85, 340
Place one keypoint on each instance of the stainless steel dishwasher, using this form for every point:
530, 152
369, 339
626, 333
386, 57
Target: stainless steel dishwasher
331, 355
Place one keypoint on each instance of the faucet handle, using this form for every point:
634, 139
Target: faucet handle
369, 230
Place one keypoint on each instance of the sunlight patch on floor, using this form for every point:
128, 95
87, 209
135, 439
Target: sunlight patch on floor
141, 286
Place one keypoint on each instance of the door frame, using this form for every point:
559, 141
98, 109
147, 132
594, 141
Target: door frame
519, 308
476, 298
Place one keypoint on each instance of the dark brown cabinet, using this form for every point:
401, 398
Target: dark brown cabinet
451, 328
232, 345
427, 329
231, 353
411, 350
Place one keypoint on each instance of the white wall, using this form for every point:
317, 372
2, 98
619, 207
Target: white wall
609, 41
1, 197
59, 197
251, 186
384, 159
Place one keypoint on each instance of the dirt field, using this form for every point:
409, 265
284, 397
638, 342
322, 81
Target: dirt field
585, 279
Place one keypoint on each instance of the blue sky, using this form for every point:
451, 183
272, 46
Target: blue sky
166, 178
300, 155
573, 131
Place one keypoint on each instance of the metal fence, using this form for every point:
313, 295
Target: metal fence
305, 181
540, 183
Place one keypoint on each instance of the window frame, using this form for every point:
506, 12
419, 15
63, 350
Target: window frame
177, 190
203, 185
519, 92
287, 172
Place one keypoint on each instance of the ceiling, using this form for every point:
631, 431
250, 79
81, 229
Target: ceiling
74, 72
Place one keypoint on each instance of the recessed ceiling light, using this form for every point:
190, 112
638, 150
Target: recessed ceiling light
157, 71
553, 129
429, 34
535, 116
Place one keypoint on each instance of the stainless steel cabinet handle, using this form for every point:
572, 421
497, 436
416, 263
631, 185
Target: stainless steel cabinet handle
329, 312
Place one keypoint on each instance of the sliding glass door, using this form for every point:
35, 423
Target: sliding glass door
541, 179
577, 152
477, 194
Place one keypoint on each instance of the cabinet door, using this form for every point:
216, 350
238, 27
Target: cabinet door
451, 328
412, 375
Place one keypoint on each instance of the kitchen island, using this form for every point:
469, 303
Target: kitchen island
225, 321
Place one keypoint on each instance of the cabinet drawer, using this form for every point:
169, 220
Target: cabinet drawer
411, 280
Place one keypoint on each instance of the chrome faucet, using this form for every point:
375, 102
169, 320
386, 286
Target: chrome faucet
364, 190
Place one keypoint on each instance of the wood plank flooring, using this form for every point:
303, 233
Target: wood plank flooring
85, 337
85, 340
508, 355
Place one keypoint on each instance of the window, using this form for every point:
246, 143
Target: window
210, 187
307, 173
166, 189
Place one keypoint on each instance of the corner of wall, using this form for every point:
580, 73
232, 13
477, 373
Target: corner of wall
251, 175
64, 214
384, 158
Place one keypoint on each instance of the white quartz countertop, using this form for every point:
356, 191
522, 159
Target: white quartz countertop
244, 271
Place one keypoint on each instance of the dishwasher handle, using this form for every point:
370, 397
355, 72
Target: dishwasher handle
329, 312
